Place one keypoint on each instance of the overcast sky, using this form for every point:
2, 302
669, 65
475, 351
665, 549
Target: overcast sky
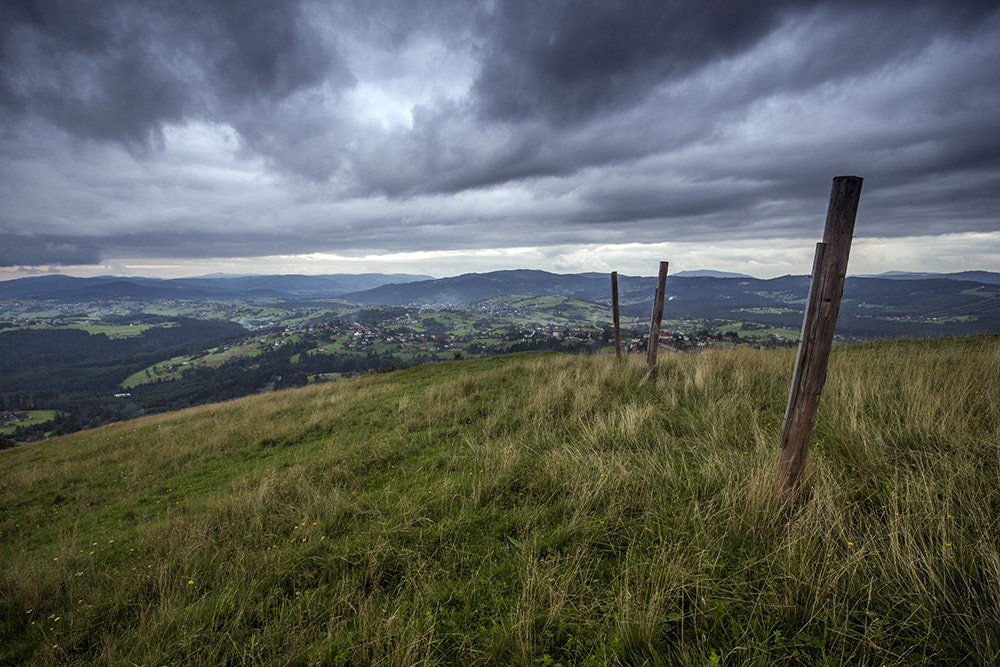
191, 137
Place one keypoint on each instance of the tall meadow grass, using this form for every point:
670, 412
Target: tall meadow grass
530, 510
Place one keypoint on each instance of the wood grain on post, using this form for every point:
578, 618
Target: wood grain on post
614, 311
655, 320
825, 291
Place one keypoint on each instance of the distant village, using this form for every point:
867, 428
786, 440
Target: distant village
13, 416
489, 337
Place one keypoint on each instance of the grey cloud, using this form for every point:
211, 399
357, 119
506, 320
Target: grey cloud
564, 87
65, 250
24, 250
570, 60
120, 71
595, 120
576, 64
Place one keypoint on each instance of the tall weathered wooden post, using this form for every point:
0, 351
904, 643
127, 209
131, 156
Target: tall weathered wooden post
655, 320
614, 312
825, 290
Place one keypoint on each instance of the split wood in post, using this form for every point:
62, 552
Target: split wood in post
614, 310
655, 320
825, 291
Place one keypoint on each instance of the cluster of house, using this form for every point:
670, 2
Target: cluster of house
409, 334
362, 336
484, 336
12, 416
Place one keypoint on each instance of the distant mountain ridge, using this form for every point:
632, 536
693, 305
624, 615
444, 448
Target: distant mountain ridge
207, 287
409, 289
872, 307
894, 305
683, 287
976, 276
708, 273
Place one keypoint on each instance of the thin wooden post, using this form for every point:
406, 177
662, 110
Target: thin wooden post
614, 310
825, 290
655, 320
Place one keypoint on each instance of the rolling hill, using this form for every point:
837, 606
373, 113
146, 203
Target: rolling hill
888, 306
531, 509
873, 307
66, 288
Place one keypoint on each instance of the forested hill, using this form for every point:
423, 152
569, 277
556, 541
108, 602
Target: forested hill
69, 289
77, 373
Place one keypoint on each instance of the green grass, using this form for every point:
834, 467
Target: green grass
172, 369
764, 333
114, 331
110, 330
35, 417
529, 510
559, 311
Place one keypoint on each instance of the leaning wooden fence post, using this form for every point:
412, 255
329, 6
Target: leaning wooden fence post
825, 290
655, 320
614, 311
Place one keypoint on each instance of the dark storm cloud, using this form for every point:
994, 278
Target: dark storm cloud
120, 71
566, 86
293, 126
567, 60
24, 250
582, 64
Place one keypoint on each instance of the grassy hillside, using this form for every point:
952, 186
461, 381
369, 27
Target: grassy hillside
531, 510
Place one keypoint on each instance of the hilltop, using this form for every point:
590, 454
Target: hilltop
529, 509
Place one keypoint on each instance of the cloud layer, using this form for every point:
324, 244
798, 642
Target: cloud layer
229, 130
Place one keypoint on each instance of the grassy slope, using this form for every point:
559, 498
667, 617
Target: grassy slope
531, 509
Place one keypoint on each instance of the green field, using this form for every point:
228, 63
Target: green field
109, 330
551, 310
115, 331
533, 509
36, 417
172, 368
751, 331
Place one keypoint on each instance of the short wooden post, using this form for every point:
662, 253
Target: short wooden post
614, 311
655, 320
825, 290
